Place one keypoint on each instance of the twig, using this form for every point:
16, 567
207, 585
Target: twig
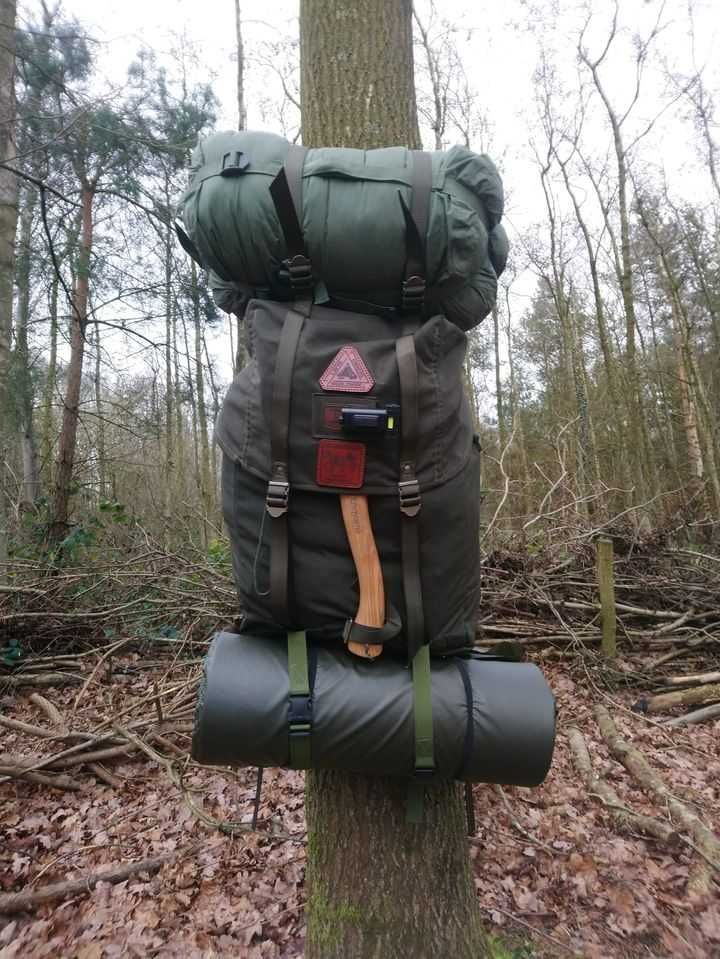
26, 900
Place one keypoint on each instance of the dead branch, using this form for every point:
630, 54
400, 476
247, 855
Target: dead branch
683, 697
696, 716
619, 813
26, 900
706, 842
693, 679
40, 679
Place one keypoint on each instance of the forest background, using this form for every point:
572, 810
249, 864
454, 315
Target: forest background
595, 391
595, 382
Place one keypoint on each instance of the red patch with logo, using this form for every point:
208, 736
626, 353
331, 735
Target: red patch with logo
340, 464
347, 373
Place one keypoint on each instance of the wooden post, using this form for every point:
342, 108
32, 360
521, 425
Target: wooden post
606, 586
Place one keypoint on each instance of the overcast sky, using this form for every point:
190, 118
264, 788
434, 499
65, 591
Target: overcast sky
500, 45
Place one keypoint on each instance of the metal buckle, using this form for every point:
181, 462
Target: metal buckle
410, 502
300, 273
424, 772
413, 293
234, 166
276, 500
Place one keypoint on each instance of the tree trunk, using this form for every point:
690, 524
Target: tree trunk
48, 428
380, 887
242, 114
23, 385
377, 886
502, 433
8, 221
71, 404
356, 73
100, 429
206, 489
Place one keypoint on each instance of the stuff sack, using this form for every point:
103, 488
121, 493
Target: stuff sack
354, 222
492, 722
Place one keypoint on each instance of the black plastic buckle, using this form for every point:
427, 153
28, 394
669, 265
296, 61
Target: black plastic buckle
234, 163
413, 293
410, 502
276, 500
300, 714
300, 273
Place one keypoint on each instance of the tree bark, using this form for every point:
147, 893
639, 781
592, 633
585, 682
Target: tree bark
377, 886
356, 74
8, 222
23, 385
380, 887
240, 51
62, 487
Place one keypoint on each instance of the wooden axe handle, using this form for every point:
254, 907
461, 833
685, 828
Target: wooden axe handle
371, 608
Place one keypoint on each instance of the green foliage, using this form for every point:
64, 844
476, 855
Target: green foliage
218, 552
12, 653
510, 948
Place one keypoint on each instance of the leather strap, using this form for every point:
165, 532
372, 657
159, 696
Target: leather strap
278, 491
409, 494
374, 635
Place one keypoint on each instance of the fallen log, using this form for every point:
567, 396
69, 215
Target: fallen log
693, 679
40, 779
696, 716
40, 679
683, 697
15, 902
619, 813
705, 840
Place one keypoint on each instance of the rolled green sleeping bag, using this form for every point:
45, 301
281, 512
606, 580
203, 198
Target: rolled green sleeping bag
352, 221
493, 721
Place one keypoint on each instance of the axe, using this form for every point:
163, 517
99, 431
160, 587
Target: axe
371, 608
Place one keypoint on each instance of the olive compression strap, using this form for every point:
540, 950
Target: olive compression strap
299, 702
286, 193
424, 744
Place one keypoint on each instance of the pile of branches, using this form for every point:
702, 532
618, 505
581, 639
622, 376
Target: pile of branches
665, 597
148, 593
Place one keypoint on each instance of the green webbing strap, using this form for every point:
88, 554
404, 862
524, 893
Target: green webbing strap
300, 703
424, 748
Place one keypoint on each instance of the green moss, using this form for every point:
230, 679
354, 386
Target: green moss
509, 948
326, 918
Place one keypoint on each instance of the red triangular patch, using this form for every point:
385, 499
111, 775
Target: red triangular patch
347, 373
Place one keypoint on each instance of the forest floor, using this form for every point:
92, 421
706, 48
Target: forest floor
556, 875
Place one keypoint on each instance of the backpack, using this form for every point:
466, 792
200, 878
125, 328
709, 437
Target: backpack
353, 390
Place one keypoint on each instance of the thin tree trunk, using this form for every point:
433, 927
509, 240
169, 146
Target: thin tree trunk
170, 463
100, 429
65, 461
205, 485
48, 427
377, 887
240, 51
23, 385
502, 432
8, 221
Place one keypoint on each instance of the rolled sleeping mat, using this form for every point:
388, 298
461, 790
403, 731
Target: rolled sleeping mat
493, 721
